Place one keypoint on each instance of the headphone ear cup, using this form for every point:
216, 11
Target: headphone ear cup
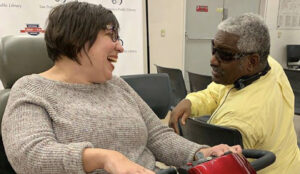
247, 80
239, 84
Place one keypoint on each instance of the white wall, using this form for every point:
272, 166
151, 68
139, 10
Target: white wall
145, 37
131, 15
167, 16
279, 38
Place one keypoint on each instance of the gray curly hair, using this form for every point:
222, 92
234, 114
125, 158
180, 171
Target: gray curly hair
253, 32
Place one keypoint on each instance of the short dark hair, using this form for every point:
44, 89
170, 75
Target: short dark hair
71, 25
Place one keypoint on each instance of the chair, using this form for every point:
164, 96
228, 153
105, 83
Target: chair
203, 133
5, 167
154, 89
198, 81
177, 83
19, 56
23, 55
294, 78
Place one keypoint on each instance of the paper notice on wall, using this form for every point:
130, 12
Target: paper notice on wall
289, 14
201, 8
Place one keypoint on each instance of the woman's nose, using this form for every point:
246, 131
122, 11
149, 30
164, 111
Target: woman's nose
119, 46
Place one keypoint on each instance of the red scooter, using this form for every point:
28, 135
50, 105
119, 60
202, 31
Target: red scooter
229, 163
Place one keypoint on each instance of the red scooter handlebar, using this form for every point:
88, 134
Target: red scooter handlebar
263, 158
230, 163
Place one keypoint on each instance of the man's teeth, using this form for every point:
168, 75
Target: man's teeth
112, 59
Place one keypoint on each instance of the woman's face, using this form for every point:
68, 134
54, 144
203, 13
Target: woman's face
98, 63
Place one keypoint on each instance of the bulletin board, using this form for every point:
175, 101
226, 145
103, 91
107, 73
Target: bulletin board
289, 14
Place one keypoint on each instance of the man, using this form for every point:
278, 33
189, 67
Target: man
250, 92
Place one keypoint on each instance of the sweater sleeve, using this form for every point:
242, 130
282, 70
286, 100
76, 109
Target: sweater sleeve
167, 146
206, 101
29, 139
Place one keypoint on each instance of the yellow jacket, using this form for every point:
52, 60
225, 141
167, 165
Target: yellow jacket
263, 112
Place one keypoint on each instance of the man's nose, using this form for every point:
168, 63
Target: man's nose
214, 60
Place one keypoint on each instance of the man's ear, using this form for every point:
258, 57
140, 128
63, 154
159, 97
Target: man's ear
253, 62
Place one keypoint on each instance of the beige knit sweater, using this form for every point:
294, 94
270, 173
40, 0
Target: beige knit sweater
47, 124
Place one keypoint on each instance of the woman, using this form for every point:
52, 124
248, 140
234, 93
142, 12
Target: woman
76, 117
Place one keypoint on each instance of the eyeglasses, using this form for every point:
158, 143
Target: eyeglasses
113, 33
225, 56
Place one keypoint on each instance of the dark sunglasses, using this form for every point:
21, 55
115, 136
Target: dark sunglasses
225, 56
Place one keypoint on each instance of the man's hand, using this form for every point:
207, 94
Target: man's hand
183, 111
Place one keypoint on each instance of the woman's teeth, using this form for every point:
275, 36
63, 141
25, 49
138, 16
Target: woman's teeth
112, 59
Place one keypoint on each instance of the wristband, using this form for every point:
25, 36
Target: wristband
199, 155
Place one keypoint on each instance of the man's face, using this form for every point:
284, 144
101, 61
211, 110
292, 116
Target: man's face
226, 62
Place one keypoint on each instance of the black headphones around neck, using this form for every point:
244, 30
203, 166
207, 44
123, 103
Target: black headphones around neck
247, 80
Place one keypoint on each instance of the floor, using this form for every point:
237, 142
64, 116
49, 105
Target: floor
166, 120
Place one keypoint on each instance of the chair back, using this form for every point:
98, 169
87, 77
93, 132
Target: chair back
154, 89
177, 83
198, 82
294, 79
203, 133
22, 55
19, 56
5, 167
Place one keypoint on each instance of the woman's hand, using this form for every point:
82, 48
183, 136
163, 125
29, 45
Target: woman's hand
220, 150
111, 161
117, 163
